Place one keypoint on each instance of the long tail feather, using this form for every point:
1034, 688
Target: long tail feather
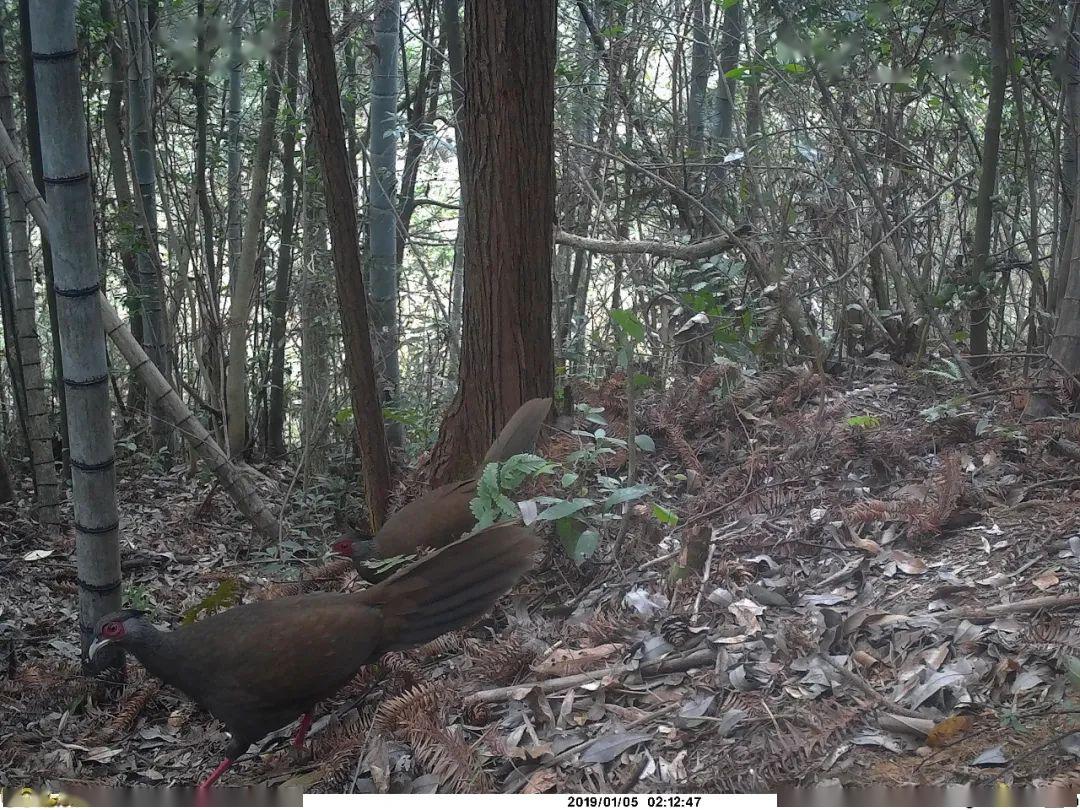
453, 587
519, 433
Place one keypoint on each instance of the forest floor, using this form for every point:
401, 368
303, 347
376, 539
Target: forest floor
873, 579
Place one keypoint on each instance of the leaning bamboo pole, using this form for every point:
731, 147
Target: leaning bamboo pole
159, 391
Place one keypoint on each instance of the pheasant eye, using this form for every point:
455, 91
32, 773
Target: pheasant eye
112, 630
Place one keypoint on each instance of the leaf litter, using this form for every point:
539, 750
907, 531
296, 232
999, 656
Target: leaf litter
823, 585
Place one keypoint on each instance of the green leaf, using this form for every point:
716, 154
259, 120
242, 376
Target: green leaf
343, 416
645, 443
517, 468
587, 543
864, 421
568, 479
628, 323
665, 516
565, 509
626, 494
224, 596
577, 538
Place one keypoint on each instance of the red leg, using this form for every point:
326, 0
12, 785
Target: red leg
301, 733
218, 771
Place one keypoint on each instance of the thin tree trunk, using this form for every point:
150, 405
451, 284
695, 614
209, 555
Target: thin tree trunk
10, 334
450, 23
7, 491
38, 430
243, 287
279, 302
984, 211
382, 196
82, 334
507, 354
141, 116
125, 205
33, 138
329, 129
315, 302
233, 231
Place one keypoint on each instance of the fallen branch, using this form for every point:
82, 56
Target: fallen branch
666, 250
667, 666
1007, 609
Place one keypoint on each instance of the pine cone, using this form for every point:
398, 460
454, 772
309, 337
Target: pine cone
675, 630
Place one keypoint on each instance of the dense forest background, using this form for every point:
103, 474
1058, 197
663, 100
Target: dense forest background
796, 274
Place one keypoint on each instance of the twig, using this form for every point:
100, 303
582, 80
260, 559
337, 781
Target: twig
704, 577
862, 685
1007, 609
697, 658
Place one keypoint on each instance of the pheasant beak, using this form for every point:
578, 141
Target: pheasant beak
97, 645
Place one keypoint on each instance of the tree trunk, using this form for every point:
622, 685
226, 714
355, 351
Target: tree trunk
699, 84
10, 334
66, 170
315, 306
33, 138
984, 211
329, 130
112, 120
38, 430
151, 293
207, 284
382, 197
279, 302
450, 23
233, 233
243, 286
509, 197
7, 491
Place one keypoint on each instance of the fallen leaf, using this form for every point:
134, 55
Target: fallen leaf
564, 662
1045, 581
990, 758
908, 563
948, 730
37, 554
608, 747
541, 781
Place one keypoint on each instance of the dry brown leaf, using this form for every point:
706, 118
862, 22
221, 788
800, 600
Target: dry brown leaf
1045, 581
541, 781
908, 563
948, 730
564, 662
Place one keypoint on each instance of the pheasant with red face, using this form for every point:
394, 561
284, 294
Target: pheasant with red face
260, 666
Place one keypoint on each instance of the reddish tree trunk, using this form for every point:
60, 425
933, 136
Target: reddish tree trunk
329, 128
509, 192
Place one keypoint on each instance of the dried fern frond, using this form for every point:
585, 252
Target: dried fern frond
505, 659
450, 644
131, 706
332, 571
948, 485
447, 755
763, 388
400, 673
423, 703
339, 750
